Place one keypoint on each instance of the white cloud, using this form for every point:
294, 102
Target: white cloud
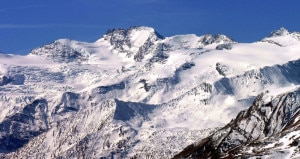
19, 26
24, 26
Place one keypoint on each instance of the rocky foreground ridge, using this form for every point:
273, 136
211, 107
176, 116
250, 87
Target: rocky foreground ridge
269, 129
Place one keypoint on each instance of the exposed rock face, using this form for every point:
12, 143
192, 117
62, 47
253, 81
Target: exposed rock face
219, 38
268, 119
16, 79
281, 32
69, 102
18, 129
62, 51
135, 41
4, 80
223, 70
226, 46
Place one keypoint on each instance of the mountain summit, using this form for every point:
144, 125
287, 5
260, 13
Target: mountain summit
281, 32
283, 37
63, 50
136, 41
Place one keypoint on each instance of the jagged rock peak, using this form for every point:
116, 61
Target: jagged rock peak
62, 50
282, 31
124, 39
135, 42
125, 32
218, 38
282, 37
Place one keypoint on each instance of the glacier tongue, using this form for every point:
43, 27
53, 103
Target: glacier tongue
134, 93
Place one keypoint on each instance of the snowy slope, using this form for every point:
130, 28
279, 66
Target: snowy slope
268, 129
134, 93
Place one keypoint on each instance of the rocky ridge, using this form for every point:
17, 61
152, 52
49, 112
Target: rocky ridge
255, 132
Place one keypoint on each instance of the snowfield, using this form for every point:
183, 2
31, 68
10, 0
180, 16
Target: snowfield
134, 93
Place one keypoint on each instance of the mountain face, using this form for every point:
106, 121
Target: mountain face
61, 51
137, 94
135, 41
269, 128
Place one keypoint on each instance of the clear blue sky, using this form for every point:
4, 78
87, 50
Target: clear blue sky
27, 24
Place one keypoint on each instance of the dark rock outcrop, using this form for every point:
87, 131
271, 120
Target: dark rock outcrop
121, 40
61, 51
18, 129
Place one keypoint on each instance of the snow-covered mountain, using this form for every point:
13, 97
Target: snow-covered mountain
135, 93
